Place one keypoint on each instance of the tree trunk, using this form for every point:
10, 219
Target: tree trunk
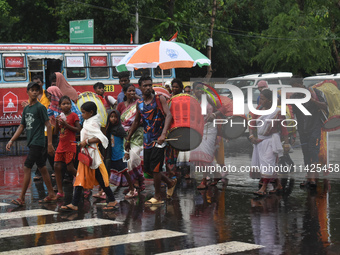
337, 57
212, 23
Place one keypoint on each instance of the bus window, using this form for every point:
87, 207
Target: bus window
73, 72
142, 71
75, 66
35, 65
14, 68
115, 59
158, 72
98, 66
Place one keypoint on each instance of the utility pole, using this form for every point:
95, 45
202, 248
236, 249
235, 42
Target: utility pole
137, 28
210, 40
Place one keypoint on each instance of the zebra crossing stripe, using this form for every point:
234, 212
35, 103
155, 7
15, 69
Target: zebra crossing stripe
55, 227
4, 204
26, 213
96, 243
221, 248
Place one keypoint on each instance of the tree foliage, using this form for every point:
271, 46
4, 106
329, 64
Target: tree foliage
295, 42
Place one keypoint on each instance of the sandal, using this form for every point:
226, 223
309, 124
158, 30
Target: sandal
154, 201
60, 195
131, 194
111, 207
67, 208
48, 200
18, 202
170, 191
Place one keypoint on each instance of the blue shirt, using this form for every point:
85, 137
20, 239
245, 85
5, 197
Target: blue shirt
121, 95
117, 148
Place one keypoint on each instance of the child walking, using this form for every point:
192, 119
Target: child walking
89, 176
108, 101
68, 125
34, 119
115, 153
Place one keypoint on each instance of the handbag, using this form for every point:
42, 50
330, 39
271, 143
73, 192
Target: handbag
85, 157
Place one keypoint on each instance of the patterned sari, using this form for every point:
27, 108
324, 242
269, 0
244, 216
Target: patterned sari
136, 142
127, 117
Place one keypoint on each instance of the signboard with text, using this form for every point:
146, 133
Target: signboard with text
98, 61
14, 62
81, 31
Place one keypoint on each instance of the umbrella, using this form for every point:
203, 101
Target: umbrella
164, 54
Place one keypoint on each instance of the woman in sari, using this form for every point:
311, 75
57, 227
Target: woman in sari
57, 79
265, 135
128, 109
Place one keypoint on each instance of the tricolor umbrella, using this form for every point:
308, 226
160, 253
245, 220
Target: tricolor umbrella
164, 54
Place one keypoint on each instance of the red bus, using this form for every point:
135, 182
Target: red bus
82, 65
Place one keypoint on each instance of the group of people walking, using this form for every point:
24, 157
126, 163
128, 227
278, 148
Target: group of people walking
133, 141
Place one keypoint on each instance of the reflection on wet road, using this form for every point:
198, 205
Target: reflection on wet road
222, 219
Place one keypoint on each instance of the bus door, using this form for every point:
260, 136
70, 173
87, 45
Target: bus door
51, 66
44, 65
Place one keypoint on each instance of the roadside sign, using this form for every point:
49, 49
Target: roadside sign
81, 31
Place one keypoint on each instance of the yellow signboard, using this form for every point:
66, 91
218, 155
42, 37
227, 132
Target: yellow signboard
109, 88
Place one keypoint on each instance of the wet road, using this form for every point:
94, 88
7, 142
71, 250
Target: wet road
225, 219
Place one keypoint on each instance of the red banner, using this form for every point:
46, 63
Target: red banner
98, 61
14, 62
66, 47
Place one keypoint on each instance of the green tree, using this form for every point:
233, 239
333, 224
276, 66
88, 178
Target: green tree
28, 21
296, 41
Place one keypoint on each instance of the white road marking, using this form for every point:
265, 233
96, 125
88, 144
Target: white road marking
26, 213
96, 243
221, 248
4, 204
55, 227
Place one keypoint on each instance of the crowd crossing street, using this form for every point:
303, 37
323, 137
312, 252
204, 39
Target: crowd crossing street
222, 219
